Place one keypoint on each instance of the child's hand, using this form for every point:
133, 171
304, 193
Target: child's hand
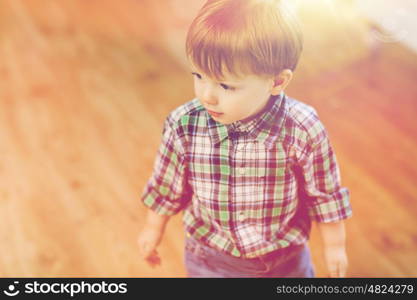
149, 238
336, 261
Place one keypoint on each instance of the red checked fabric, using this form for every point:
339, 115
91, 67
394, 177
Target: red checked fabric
250, 187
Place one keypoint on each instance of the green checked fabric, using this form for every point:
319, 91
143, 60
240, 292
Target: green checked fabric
250, 187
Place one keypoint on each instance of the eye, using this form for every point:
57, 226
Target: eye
196, 75
227, 87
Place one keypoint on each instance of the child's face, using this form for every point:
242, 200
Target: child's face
233, 98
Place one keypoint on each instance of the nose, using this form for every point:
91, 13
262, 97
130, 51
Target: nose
209, 97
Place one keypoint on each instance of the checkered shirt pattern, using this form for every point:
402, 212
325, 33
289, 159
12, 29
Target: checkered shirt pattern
250, 187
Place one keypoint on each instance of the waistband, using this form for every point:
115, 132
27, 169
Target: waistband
281, 252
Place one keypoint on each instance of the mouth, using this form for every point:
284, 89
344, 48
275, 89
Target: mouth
213, 113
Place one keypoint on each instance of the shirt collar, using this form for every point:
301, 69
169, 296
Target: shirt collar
264, 126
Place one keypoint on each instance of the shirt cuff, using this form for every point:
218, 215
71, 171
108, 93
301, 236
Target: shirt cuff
161, 205
335, 207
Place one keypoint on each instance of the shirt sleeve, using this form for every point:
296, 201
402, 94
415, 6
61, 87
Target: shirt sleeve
166, 192
327, 200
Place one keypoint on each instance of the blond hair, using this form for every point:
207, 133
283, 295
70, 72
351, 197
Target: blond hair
260, 37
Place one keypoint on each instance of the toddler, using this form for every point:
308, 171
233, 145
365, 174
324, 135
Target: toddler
249, 166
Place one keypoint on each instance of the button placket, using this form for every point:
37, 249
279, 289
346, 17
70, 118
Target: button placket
247, 148
240, 147
259, 155
242, 170
261, 183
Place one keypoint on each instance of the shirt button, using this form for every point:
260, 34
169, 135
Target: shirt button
241, 217
242, 171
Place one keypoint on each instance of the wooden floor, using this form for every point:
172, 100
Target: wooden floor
84, 88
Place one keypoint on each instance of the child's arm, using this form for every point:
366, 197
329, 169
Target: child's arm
166, 193
326, 199
151, 235
333, 237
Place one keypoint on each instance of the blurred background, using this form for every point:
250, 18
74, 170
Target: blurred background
85, 87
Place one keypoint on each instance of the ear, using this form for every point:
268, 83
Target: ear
281, 81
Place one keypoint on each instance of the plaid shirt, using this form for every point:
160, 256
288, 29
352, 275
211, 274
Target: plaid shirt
250, 187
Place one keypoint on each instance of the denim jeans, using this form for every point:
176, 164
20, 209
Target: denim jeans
203, 261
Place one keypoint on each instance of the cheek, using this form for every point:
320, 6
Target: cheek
244, 105
196, 87
235, 104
